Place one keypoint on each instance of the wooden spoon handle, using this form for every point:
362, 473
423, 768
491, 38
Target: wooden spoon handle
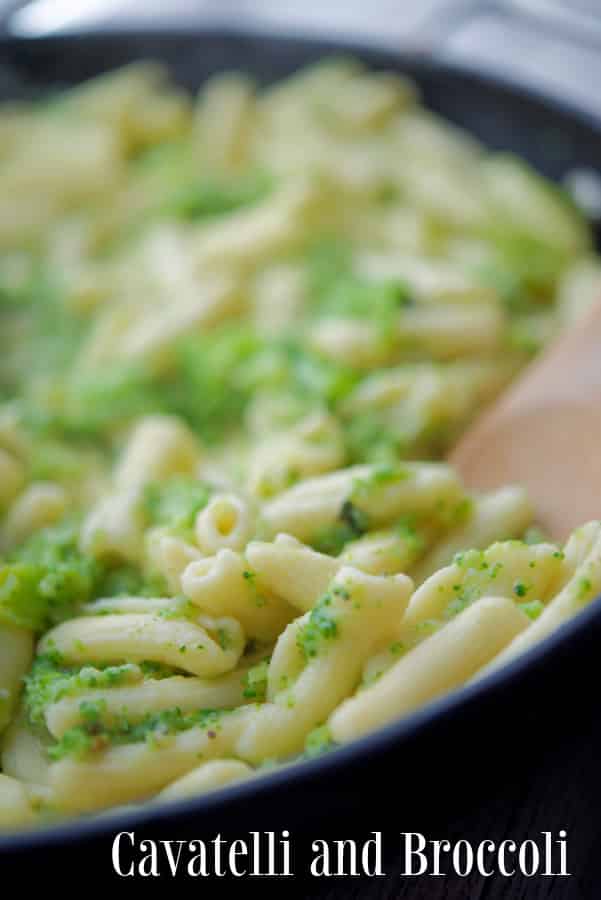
545, 433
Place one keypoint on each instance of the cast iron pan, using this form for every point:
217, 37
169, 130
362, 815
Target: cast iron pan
444, 757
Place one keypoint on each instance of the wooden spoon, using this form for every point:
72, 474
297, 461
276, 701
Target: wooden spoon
545, 433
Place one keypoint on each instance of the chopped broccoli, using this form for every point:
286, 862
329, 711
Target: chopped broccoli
380, 476
175, 502
124, 580
532, 608
335, 290
203, 198
92, 736
48, 681
46, 580
320, 626
318, 741
255, 682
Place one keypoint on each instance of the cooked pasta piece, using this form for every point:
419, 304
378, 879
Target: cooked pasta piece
386, 552
12, 477
314, 446
224, 585
291, 570
207, 777
16, 653
138, 770
158, 448
583, 563
186, 693
169, 556
24, 755
207, 647
497, 516
317, 660
380, 493
225, 522
114, 527
510, 569
442, 662
15, 805
152, 336
250, 237
40, 504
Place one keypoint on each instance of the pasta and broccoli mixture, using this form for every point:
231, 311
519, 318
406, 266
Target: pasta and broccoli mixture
238, 334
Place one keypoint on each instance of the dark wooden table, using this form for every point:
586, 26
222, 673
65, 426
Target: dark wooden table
561, 788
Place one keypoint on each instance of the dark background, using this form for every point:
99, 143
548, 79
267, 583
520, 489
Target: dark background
558, 787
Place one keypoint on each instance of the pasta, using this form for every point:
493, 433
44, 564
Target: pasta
143, 636
15, 806
207, 777
239, 334
431, 668
16, 645
224, 523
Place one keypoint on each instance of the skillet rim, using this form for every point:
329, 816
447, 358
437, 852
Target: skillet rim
461, 702
415, 55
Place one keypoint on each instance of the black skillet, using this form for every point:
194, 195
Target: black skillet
446, 756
